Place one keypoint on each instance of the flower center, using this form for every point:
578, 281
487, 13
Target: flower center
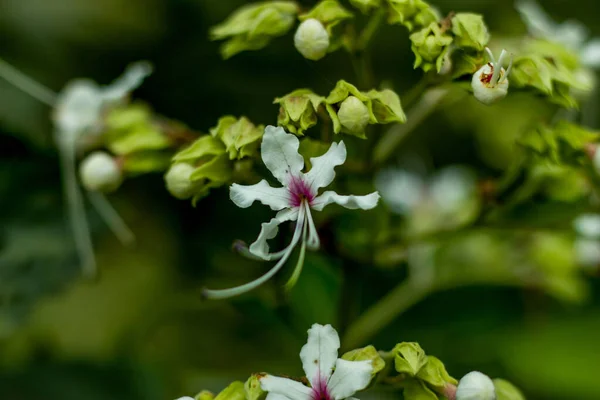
299, 191
320, 392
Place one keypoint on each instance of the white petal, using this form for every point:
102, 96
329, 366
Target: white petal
590, 54
279, 151
352, 202
572, 34
400, 190
243, 196
452, 187
322, 172
349, 377
533, 15
186, 398
319, 353
260, 247
287, 388
276, 396
588, 225
79, 107
131, 79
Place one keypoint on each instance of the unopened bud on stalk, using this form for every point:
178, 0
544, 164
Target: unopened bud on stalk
178, 180
353, 115
100, 172
490, 82
475, 386
311, 39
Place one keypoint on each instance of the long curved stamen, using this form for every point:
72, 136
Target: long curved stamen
77, 217
27, 84
235, 291
490, 55
510, 64
313, 237
498, 68
112, 218
300, 263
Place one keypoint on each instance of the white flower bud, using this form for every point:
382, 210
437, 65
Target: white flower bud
311, 39
100, 172
178, 180
490, 82
475, 386
353, 115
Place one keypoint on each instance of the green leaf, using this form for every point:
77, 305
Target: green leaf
507, 391
470, 31
409, 358
415, 389
366, 353
434, 373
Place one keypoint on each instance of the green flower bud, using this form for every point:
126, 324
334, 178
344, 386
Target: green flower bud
240, 136
298, 110
507, 391
252, 26
204, 395
100, 172
475, 386
179, 180
434, 373
253, 389
490, 82
353, 115
366, 353
329, 13
413, 14
409, 358
430, 45
311, 39
470, 31
235, 391
366, 6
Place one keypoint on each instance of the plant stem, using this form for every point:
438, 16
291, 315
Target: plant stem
369, 31
400, 299
27, 84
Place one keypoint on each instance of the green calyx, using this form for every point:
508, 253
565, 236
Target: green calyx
470, 31
367, 353
252, 26
235, 391
413, 14
366, 6
239, 135
329, 12
430, 45
298, 110
253, 389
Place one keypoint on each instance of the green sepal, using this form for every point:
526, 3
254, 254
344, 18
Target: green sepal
386, 106
131, 128
146, 161
413, 14
344, 89
434, 373
470, 31
366, 353
204, 395
251, 27
253, 389
340, 93
298, 110
507, 391
466, 62
335, 120
235, 391
415, 389
240, 136
218, 169
329, 13
366, 6
203, 147
409, 358
430, 45
563, 144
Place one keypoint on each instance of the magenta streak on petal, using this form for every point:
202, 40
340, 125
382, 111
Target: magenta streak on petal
298, 191
320, 391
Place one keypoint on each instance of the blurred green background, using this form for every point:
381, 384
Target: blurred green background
140, 331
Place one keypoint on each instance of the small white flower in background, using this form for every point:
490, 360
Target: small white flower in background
293, 201
587, 243
490, 82
475, 386
311, 39
100, 172
330, 378
572, 34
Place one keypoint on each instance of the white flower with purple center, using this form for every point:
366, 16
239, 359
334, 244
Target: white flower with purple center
330, 378
293, 201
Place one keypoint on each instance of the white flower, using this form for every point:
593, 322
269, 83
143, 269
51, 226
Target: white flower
293, 201
587, 243
475, 386
490, 82
311, 39
331, 378
571, 34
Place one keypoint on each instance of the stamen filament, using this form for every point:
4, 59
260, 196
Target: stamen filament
300, 263
313, 237
27, 84
498, 68
490, 55
111, 218
236, 291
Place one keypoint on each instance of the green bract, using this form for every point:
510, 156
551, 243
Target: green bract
298, 110
366, 353
366, 6
415, 389
413, 14
430, 45
253, 389
507, 391
435, 375
409, 358
351, 110
240, 136
329, 13
470, 31
235, 391
252, 26
563, 143
204, 395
